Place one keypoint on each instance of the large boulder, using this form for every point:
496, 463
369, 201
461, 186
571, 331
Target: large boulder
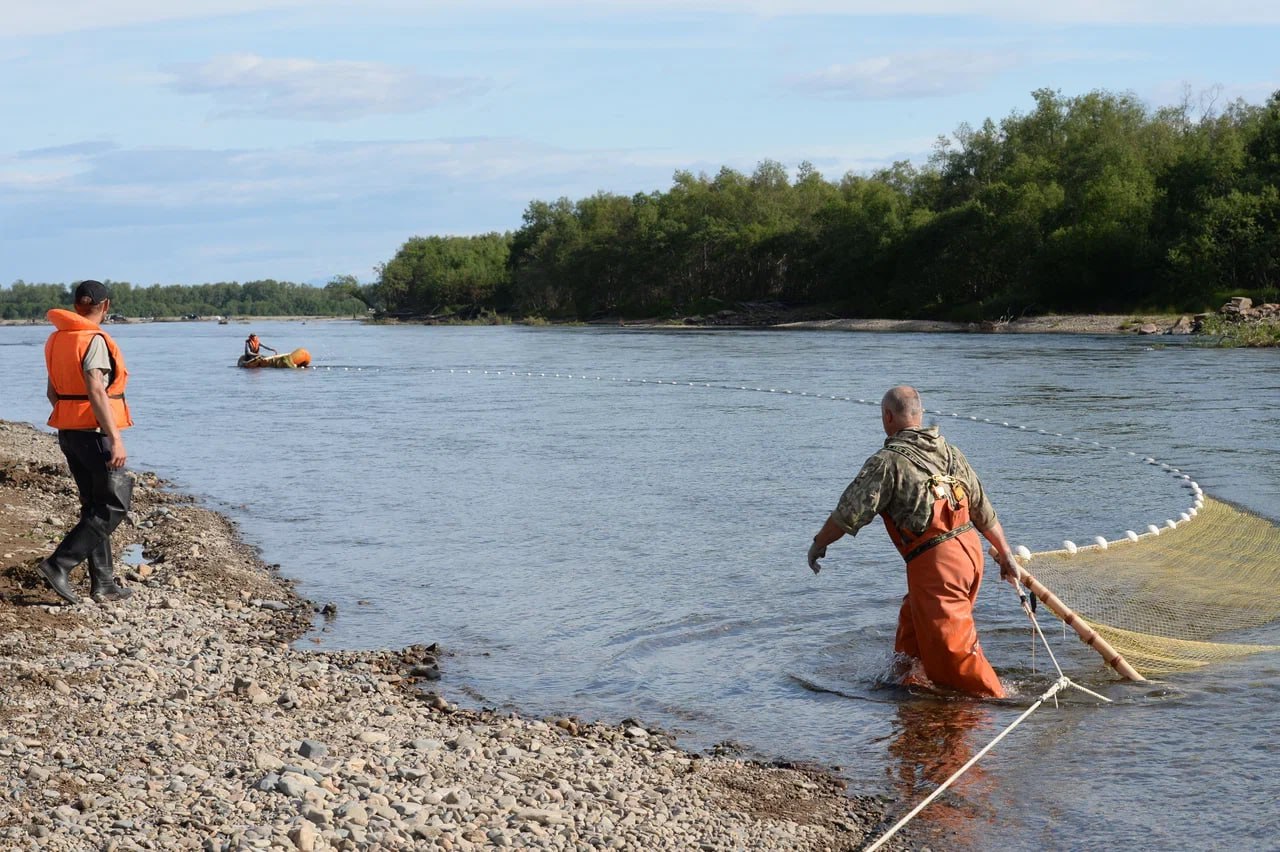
1182, 326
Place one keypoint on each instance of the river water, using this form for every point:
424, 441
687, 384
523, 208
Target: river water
613, 523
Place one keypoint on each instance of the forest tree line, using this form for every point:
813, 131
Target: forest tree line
252, 298
1083, 204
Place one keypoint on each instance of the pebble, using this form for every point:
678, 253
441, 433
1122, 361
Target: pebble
304, 837
311, 748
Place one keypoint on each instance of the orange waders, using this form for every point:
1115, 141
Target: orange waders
944, 570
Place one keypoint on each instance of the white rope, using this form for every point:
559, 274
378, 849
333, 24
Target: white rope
1024, 595
1052, 692
1058, 685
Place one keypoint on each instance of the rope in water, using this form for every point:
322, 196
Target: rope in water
1058, 685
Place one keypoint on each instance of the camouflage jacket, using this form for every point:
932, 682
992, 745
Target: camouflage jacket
891, 483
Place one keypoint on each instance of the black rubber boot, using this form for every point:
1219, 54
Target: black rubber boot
58, 580
102, 582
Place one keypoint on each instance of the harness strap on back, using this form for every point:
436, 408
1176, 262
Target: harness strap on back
918, 460
937, 540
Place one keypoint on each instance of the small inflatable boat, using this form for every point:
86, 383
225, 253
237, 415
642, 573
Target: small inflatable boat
288, 360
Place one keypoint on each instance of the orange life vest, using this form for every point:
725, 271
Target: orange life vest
253, 345
64, 353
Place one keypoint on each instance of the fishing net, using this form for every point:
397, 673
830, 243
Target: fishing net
1165, 599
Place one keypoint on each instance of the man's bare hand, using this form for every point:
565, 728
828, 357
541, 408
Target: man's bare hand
118, 455
1008, 567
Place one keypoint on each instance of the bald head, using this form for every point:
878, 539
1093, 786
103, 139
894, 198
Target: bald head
900, 409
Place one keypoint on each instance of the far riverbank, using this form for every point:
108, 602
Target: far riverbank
1218, 330
1053, 324
1064, 324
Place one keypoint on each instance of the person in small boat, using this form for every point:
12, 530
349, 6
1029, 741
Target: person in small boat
253, 347
933, 506
86, 385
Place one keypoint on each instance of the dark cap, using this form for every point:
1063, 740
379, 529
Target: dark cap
91, 293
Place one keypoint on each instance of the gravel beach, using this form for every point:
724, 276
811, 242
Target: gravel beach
193, 716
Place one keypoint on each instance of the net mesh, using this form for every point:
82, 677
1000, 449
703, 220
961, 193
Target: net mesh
1170, 601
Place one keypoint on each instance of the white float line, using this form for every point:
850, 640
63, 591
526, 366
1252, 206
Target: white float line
1070, 547
1101, 542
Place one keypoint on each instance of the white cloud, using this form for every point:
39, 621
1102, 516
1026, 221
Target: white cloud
489, 180
925, 74
153, 185
61, 16
74, 150
246, 84
184, 214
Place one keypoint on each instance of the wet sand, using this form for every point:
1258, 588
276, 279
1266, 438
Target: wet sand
192, 715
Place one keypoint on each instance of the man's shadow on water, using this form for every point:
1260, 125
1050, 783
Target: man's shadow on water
931, 738
933, 733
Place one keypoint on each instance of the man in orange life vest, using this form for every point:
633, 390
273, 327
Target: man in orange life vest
933, 507
253, 347
87, 378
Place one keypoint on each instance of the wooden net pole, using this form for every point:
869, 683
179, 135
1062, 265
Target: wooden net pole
1087, 634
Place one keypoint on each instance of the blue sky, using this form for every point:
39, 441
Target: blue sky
228, 140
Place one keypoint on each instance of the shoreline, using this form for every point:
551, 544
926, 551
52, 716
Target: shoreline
774, 320
1052, 324
1049, 324
769, 318
187, 716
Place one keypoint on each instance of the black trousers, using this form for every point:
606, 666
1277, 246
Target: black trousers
105, 496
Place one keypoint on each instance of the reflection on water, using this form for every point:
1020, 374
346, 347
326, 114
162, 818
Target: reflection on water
930, 741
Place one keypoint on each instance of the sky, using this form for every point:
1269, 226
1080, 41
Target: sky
233, 140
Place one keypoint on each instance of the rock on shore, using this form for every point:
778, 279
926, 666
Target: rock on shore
186, 718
